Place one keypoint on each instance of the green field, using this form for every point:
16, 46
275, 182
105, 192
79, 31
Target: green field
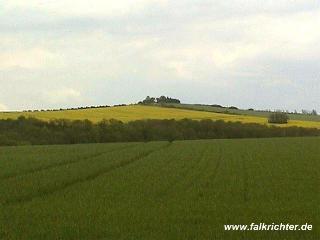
159, 190
257, 113
137, 112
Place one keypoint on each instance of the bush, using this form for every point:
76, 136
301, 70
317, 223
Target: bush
278, 118
216, 105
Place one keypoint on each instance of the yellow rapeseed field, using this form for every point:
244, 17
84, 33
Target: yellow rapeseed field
137, 112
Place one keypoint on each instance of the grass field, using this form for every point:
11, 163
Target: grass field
159, 190
137, 112
257, 113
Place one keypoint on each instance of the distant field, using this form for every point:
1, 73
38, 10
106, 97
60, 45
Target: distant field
292, 116
136, 112
159, 190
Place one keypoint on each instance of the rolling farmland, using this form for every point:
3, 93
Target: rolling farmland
258, 113
138, 112
159, 190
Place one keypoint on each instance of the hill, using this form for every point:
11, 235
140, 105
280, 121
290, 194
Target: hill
233, 110
137, 112
160, 190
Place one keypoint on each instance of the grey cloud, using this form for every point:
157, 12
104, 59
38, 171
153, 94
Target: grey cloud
152, 17
171, 49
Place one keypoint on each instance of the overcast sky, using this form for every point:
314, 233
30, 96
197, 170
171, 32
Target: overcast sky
247, 53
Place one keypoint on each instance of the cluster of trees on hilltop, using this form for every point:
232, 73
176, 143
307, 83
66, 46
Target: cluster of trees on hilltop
23, 131
160, 100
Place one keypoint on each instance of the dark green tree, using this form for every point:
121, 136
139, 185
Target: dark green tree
278, 118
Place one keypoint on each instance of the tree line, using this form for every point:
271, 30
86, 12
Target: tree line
30, 131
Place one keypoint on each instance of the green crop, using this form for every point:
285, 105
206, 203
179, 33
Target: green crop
160, 190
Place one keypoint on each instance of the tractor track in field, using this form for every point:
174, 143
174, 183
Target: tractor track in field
168, 191
50, 166
217, 167
211, 177
214, 174
245, 180
198, 175
90, 177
